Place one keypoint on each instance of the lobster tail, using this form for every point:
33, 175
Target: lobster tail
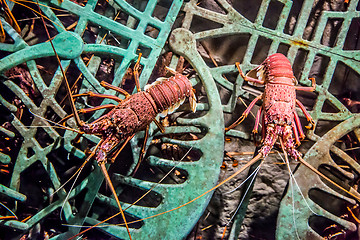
169, 93
274, 69
278, 66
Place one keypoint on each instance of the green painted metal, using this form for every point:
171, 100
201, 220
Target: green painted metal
228, 22
298, 220
222, 20
233, 23
71, 46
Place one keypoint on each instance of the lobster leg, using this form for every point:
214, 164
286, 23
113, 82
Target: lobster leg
307, 89
298, 125
87, 110
307, 115
118, 151
296, 134
136, 73
247, 78
92, 94
109, 183
257, 120
2, 33
142, 153
159, 125
109, 86
245, 113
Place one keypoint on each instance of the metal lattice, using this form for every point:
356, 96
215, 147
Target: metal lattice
90, 38
259, 29
320, 42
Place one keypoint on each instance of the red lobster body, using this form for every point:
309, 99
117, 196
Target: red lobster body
139, 110
279, 96
279, 100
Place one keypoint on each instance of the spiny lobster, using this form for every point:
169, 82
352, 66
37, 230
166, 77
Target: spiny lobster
128, 117
132, 115
280, 119
137, 111
279, 100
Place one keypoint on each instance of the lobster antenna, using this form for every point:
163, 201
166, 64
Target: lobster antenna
72, 104
292, 177
55, 124
254, 172
293, 205
242, 199
41, 15
328, 179
71, 188
147, 192
248, 164
253, 177
9, 210
77, 174
9, 14
110, 185
252, 161
87, 64
43, 5
286, 160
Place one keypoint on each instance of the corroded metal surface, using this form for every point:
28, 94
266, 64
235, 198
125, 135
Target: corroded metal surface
306, 205
319, 39
97, 37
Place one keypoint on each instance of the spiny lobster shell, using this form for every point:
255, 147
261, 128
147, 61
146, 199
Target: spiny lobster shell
274, 69
277, 65
170, 93
279, 103
139, 110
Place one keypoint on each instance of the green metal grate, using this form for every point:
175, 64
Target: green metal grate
52, 153
260, 29
248, 32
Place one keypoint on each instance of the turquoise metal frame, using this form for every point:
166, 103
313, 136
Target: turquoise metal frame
71, 46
